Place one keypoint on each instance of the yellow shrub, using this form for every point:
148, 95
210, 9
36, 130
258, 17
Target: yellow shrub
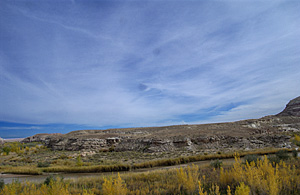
257, 178
242, 189
215, 190
228, 190
297, 138
262, 177
188, 179
12, 189
116, 187
200, 189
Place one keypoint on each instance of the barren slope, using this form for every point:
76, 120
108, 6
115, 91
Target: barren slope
270, 131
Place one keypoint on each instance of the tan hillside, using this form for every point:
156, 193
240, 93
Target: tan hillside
269, 131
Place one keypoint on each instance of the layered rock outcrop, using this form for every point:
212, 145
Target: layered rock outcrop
258, 139
270, 131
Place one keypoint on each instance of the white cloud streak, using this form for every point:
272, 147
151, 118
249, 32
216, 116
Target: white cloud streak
187, 62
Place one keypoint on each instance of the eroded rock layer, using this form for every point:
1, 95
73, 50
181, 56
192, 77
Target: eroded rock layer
270, 131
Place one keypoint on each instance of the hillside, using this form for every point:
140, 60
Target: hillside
292, 108
269, 131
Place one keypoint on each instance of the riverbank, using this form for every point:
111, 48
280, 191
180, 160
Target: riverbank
9, 178
259, 176
33, 170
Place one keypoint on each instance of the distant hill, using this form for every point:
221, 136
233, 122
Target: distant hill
269, 131
10, 140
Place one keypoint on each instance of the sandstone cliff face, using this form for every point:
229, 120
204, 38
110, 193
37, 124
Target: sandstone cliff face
268, 131
265, 132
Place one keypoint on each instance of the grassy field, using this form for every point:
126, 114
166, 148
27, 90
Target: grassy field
275, 174
260, 176
26, 159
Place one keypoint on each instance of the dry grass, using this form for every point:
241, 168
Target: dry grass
260, 178
26, 170
33, 170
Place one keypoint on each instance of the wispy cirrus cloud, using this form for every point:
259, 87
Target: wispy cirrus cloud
151, 63
20, 127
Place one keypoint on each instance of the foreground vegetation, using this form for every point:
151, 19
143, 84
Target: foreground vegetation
260, 176
275, 174
22, 159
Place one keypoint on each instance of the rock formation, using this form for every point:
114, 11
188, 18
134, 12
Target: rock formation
292, 108
269, 131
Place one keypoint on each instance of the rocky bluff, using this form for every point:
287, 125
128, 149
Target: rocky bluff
292, 108
269, 131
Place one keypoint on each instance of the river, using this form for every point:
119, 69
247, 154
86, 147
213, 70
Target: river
8, 178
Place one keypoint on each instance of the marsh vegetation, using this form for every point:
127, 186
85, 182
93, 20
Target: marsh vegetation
251, 171
258, 177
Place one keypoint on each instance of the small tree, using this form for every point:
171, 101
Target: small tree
297, 140
242, 189
6, 149
114, 187
251, 158
79, 162
49, 179
282, 155
295, 153
43, 164
216, 164
1, 184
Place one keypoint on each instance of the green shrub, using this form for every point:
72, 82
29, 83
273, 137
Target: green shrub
49, 179
273, 159
32, 144
216, 164
79, 161
282, 155
111, 149
26, 160
251, 158
296, 140
6, 149
43, 164
63, 156
1, 184
295, 153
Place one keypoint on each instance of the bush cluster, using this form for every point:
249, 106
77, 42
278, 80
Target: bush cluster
1, 184
43, 164
261, 177
216, 164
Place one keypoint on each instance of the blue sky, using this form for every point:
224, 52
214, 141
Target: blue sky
68, 65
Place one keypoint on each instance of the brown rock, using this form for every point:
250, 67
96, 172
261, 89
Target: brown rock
292, 108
